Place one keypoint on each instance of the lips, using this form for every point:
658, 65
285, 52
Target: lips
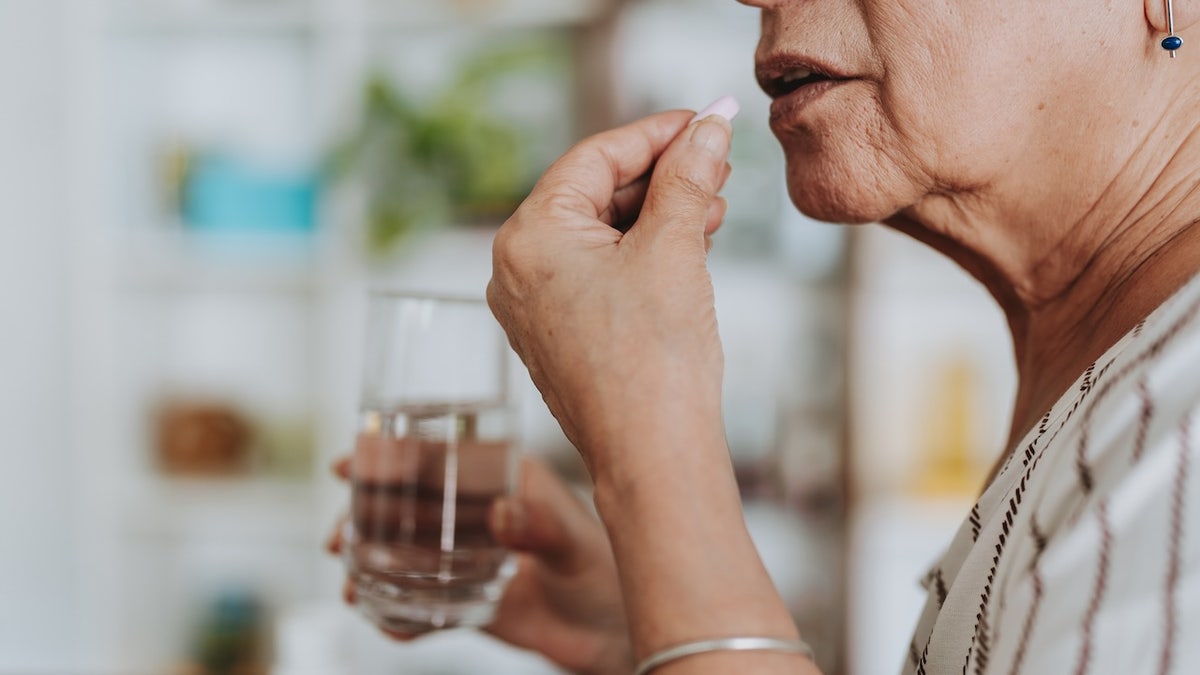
793, 81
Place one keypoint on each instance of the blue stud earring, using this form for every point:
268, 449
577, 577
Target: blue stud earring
1172, 42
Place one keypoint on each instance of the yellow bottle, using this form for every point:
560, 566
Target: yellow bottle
947, 465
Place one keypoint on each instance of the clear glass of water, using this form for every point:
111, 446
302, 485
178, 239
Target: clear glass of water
435, 448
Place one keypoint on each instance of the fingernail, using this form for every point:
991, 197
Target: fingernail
725, 107
341, 468
712, 136
508, 519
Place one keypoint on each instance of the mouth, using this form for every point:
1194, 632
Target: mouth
793, 81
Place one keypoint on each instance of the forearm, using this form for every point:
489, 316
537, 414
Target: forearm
688, 567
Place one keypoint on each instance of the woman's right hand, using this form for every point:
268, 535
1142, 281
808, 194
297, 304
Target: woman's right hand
565, 599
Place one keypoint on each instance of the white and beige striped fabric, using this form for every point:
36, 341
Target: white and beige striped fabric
1083, 555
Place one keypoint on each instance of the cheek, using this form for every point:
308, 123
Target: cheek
962, 94
952, 129
852, 166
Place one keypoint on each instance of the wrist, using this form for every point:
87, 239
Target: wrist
674, 517
629, 454
614, 656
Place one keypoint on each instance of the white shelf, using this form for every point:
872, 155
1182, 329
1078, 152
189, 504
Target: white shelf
254, 511
492, 14
246, 16
198, 275
216, 16
278, 264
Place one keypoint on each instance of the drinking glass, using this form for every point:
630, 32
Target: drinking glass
434, 450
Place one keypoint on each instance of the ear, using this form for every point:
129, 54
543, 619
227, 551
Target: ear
1187, 14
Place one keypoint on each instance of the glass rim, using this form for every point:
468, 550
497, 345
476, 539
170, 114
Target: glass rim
400, 294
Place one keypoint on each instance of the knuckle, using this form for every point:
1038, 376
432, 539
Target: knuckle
510, 253
502, 243
591, 146
492, 295
689, 184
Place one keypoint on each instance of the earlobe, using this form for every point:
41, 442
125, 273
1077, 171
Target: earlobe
1187, 14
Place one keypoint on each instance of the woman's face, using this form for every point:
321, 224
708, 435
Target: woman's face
916, 98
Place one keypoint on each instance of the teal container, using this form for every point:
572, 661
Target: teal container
224, 195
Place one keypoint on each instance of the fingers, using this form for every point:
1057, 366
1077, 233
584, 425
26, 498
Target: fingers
588, 175
627, 202
686, 179
546, 519
334, 543
715, 216
341, 468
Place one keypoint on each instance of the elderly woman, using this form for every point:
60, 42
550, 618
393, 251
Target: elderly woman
1050, 148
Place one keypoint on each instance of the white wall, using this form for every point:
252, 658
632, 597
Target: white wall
38, 609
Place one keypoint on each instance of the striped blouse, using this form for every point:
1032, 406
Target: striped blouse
1083, 555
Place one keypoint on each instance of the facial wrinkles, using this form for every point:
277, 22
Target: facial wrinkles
920, 47
890, 146
838, 31
958, 141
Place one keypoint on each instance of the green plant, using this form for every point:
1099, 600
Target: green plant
424, 166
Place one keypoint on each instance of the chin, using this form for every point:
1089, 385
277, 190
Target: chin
837, 196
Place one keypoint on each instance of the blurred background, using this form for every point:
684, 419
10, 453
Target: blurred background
196, 195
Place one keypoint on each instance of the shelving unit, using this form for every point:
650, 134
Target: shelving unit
266, 321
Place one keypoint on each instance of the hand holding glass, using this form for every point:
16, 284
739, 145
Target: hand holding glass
434, 450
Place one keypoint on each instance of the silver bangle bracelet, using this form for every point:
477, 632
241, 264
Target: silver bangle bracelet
738, 644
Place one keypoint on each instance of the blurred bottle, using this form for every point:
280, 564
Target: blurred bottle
948, 465
175, 161
202, 439
230, 639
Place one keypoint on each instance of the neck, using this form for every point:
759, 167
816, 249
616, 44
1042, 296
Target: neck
1056, 341
1074, 274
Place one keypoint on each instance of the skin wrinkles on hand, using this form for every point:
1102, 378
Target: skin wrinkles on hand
624, 347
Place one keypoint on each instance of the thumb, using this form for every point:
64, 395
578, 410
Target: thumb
689, 174
545, 519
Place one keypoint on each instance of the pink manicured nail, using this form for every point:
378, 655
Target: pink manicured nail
726, 106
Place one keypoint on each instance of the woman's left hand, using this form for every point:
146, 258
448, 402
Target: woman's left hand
565, 599
619, 330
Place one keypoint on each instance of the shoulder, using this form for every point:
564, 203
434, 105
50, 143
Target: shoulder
1136, 425
1113, 575
1088, 559
1107, 579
